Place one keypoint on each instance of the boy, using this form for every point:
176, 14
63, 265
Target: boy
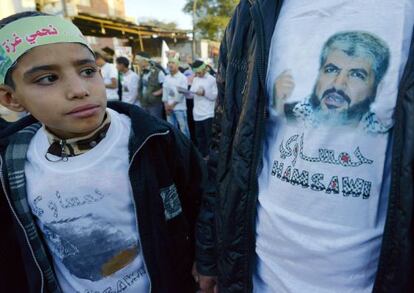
205, 88
130, 81
151, 79
93, 199
174, 101
109, 75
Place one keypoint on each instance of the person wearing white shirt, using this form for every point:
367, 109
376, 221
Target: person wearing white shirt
129, 81
204, 88
109, 75
174, 101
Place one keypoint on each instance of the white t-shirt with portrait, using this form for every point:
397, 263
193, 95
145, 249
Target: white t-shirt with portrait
323, 189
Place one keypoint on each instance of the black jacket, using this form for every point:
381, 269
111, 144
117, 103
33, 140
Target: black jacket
226, 232
161, 159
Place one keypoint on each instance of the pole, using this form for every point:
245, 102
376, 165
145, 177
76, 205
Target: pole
64, 8
193, 51
141, 43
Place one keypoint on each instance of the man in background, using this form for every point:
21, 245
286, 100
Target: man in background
110, 76
129, 81
150, 86
174, 101
205, 88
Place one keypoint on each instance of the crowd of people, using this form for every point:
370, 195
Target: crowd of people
183, 94
300, 178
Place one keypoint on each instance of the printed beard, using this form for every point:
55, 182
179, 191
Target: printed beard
335, 100
350, 116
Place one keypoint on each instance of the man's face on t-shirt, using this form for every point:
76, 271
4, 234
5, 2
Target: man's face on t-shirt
344, 82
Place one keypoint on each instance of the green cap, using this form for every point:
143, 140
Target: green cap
18, 37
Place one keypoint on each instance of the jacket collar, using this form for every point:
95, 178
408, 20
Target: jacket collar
264, 14
269, 12
143, 125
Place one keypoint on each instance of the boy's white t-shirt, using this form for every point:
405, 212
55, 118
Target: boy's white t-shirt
323, 189
108, 72
86, 212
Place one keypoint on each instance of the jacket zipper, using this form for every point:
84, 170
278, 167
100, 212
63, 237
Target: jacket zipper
20, 224
257, 147
380, 281
252, 199
134, 203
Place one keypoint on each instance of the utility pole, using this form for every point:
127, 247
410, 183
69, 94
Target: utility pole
64, 8
193, 51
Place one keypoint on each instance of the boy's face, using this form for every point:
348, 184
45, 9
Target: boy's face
60, 85
173, 67
121, 67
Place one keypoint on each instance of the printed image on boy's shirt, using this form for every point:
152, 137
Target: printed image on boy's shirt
89, 247
90, 227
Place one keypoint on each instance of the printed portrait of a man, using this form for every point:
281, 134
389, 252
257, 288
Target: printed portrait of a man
352, 65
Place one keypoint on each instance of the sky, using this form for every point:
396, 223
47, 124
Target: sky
163, 10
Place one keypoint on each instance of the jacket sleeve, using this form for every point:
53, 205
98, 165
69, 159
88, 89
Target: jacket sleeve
164, 98
12, 272
206, 244
189, 176
211, 92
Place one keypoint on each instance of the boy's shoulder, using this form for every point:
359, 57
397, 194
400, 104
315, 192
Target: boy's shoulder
210, 77
142, 123
12, 130
145, 126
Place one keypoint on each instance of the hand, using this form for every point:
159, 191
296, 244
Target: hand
168, 108
207, 284
284, 86
200, 92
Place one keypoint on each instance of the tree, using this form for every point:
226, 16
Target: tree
158, 23
212, 16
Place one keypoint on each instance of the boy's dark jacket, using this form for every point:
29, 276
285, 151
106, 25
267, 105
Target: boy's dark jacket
226, 233
160, 157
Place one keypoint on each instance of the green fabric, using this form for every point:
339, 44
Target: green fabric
26, 33
174, 60
200, 68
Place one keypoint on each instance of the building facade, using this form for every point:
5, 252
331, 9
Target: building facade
103, 8
9, 7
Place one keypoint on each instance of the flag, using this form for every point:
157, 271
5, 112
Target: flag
164, 57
